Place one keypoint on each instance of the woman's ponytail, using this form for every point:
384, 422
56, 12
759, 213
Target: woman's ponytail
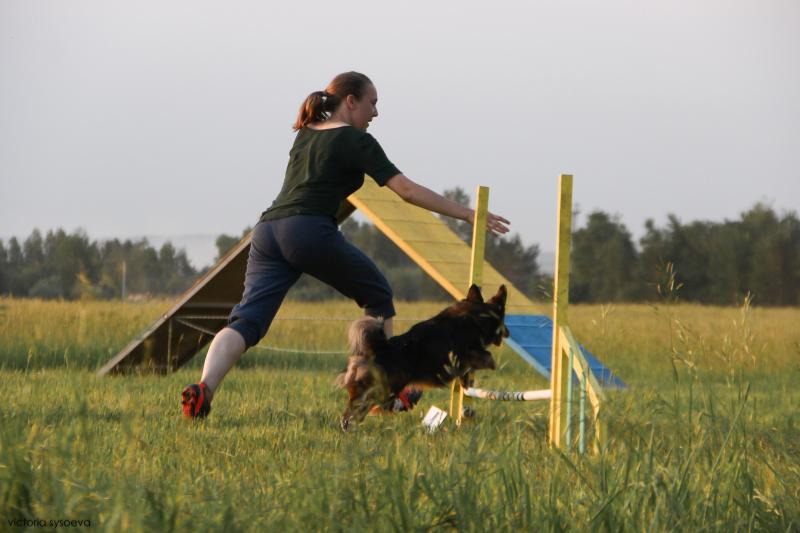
314, 109
319, 104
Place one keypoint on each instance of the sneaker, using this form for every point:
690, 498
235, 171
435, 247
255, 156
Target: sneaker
407, 399
195, 400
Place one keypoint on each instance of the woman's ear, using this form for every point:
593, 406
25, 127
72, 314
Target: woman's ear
350, 100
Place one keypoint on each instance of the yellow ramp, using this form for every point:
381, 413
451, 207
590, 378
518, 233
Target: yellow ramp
432, 244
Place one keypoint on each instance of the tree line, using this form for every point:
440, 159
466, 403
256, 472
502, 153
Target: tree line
71, 266
711, 262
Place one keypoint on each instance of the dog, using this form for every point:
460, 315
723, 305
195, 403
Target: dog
431, 354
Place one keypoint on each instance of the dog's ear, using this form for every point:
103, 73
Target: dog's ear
474, 294
500, 297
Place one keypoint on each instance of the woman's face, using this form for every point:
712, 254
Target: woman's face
364, 110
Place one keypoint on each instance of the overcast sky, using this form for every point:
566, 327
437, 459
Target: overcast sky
173, 118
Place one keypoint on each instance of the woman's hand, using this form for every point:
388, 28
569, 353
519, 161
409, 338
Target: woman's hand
494, 223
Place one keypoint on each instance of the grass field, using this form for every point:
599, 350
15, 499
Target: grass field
707, 438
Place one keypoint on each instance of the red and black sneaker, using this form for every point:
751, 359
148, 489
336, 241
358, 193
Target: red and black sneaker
196, 401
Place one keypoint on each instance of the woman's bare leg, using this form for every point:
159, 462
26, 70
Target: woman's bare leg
225, 350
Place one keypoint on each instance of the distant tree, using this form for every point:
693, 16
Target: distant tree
69, 266
789, 238
176, 271
724, 247
225, 243
720, 262
3, 269
112, 256
67, 257
518, 263
33, 249
143, 267
603, 261
15, 263
773, 266
31, 266
703, 256
651, 260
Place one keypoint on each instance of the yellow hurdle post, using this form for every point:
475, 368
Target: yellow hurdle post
479, 236
560, 372
595, 392
475, 277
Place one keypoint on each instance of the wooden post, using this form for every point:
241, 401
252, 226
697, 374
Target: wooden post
600, 430
453, 391
600, 425
479, 236
568, 432
593, 390
476, 278
582, 410
170, 367
560, 371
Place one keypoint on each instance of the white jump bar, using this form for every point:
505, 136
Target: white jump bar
527, 396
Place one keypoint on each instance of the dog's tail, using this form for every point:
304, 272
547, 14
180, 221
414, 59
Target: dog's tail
363, 336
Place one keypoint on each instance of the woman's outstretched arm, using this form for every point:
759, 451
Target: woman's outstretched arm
421, 196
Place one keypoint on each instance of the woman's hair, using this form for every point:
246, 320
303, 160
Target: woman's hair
319, 104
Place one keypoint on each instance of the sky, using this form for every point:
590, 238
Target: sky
174, 118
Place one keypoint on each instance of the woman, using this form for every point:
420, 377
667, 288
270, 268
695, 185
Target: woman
298, 233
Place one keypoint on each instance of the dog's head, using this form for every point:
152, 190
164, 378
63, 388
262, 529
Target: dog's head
488, 316
366, 385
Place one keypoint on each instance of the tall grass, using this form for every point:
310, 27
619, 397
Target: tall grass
705, 438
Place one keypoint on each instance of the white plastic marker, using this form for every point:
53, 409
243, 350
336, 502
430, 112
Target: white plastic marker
433, 419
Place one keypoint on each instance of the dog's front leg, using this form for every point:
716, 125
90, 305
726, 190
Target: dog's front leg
355, 412
347, 419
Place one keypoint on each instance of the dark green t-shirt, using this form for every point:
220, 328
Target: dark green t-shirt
325, 167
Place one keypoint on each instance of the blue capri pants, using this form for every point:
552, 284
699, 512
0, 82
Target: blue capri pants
283, 249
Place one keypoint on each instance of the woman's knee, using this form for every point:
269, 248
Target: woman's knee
250, 332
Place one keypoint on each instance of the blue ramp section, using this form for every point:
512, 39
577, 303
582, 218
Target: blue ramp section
531, 336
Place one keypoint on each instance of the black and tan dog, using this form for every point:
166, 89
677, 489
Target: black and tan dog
430, 354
